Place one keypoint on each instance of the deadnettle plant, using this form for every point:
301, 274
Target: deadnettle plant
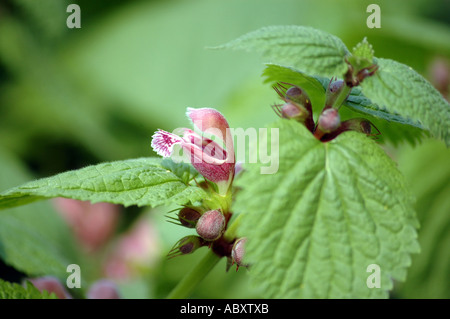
329, 125
210, 150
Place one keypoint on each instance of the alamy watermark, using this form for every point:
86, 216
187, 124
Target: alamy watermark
74, 279
374, 279
374, 19
213, 146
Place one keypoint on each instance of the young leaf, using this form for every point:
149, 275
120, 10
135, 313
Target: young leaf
363, 50
305, 48
399, 89
10, 290
330, 211
362, 56
142, 182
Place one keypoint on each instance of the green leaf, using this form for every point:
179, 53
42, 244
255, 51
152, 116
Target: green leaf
305, 48
10, 290
186, 172
141, 182
399, 89
330, 211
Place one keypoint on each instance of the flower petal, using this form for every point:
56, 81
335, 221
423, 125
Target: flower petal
163, 142
208, 119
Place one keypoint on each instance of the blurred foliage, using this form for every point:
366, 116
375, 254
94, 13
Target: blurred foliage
74, 97
428, 172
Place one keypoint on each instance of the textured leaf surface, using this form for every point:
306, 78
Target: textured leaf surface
15, 291
142, 182
362, 56
357, 102
308, 49
399, 89
330, 211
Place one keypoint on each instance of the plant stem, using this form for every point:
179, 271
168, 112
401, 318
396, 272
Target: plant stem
194, 277
341, 97
230, 233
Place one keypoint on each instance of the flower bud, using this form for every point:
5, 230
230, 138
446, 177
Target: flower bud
186, 245
188, 217
333, 91
329, 120
298, 96
298, 105
360, 125
211, 225
294, 111
238, 252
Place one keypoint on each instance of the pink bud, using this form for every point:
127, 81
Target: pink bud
334, 88
211, 225
294, 111
329, 120
188, 217
298, 105
50, 284
103, 289
238, 252
186, 245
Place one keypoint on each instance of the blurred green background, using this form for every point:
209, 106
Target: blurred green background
74, 97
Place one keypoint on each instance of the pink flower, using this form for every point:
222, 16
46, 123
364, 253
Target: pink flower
215, 160
133, 253
93, 224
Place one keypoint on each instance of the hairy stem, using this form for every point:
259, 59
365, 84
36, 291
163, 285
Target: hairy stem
342, 97
230, 233
194, 277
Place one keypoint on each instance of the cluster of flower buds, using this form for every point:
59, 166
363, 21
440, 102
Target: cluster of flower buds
209, 225
211, 152
329, 124
297, 104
